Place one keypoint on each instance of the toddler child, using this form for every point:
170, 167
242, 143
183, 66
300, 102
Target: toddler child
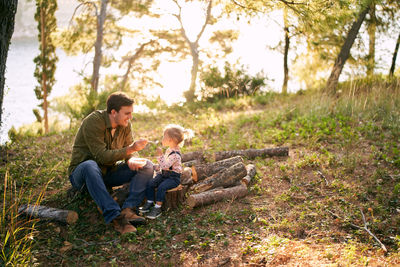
169, 167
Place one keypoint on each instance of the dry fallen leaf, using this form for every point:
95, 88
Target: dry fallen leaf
67, 246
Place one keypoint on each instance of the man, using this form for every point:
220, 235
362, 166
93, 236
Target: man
103, 140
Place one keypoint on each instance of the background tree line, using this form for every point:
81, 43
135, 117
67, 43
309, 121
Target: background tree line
334, 34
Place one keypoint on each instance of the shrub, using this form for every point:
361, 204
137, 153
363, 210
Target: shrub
232, 83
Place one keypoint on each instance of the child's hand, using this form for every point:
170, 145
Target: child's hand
159, 151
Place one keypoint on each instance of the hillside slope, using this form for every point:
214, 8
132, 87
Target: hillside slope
301, 210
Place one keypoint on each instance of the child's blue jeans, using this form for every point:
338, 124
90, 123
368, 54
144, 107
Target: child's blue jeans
163, 182
88, 173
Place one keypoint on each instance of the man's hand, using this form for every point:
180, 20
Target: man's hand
137, 146
140, 144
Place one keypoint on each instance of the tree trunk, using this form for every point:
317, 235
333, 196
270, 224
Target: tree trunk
190, 94
97, 46
8, 9
286, 52
396, 49
213, 196
224, 178
44, 68
345, 51
372, 37
200, 172
43, 212
252, 153
174, 197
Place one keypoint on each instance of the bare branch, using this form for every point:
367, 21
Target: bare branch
370, 233
208, 16
291, 2
245, 7
82, 4
131, 60
179, 17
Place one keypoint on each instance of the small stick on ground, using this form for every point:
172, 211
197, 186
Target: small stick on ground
323, 176
369, 232
365, 228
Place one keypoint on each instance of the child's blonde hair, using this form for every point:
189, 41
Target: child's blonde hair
178, 133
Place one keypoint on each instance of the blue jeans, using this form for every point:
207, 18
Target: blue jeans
88, 173
163, 184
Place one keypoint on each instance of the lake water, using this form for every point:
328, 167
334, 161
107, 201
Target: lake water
20, 99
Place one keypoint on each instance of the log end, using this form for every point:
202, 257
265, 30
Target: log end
245, 180
72, 217
194, 174
251, 172
191, 202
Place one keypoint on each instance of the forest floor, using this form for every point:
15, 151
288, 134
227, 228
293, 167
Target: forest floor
302, 210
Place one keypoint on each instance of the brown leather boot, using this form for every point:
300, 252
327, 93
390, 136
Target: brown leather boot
122, 225
132, 217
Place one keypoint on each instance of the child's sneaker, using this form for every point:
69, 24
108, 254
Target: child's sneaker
146, 207
154, 213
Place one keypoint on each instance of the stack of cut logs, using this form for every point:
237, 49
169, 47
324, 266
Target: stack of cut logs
226, 177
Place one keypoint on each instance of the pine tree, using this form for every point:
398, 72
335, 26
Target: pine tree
47, 58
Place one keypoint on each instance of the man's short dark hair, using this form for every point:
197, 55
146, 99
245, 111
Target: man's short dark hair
117, 100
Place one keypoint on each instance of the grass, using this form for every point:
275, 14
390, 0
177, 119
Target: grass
344, 157
16, 234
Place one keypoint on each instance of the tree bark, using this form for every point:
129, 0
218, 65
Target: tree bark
252, 153
396, 50
200, 172
43, 212
372, 37
190, 94
174, 197
345, 51
191, 163
224, 178
195, 155
209, 197
97, 46
8, 9
286, 52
